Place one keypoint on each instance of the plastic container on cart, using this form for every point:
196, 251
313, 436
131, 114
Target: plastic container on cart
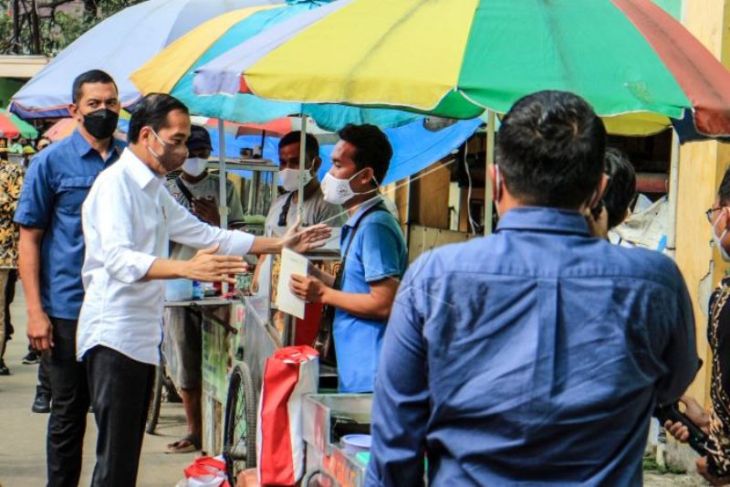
178, 290
354, 444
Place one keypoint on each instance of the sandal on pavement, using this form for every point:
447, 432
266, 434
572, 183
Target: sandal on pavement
188, 444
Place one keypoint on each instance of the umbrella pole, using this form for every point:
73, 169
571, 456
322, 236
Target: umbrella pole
302, 168
672, 196
488, 197
222, 178
222, 194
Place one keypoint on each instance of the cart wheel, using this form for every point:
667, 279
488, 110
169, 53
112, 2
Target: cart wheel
153, 413
239, 433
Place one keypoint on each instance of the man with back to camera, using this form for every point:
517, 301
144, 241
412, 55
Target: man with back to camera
534, 356
373, 254
51, 251
129, 219
195, 189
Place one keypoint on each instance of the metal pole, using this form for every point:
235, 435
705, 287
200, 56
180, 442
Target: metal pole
222, 178
488, 197
672, 196
222, 193
302, 168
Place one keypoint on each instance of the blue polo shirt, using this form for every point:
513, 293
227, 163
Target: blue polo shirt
57, 182
378, 251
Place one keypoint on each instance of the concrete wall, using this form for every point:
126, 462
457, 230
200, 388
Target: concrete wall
701, 168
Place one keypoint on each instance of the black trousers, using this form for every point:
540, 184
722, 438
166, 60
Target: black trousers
9, 297
44, 380
121, 389
69, 407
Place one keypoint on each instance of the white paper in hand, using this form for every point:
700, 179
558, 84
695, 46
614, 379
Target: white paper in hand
286, 301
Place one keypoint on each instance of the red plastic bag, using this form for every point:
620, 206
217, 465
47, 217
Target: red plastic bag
289, 374
207, 471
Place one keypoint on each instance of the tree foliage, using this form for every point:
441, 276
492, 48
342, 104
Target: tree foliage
60, 22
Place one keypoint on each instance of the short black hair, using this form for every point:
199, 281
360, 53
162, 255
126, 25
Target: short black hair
724, 191
372, 148
621, 188
295, 137
152, 111
92, 76
550, 149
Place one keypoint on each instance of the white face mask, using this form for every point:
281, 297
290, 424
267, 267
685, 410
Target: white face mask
195, 166
338, 191
718, 242
289, 178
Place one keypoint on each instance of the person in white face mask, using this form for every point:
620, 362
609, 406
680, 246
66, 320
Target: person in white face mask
197, 191
373, 252
285, 209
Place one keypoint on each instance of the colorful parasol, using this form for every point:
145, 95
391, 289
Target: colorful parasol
172, 71
457, 59
12, 126
118, 45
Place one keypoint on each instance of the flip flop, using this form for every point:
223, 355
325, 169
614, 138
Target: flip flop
188, 444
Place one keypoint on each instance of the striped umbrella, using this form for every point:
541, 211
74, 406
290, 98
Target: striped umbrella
12, 126
172, 71
456, 59
118, 45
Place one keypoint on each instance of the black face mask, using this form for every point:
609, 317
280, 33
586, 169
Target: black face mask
102, 123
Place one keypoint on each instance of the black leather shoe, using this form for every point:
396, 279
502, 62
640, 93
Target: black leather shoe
4, 370
42, 401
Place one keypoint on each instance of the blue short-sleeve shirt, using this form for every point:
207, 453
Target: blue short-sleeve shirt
56, 184
378, 251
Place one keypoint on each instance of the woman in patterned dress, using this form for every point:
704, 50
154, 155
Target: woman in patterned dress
11, 181
715, 467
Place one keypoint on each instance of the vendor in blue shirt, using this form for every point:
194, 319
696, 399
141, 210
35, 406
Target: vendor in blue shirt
52, 253
373, 252
534, 356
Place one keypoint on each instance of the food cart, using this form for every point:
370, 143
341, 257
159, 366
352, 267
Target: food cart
224, 371
326, 419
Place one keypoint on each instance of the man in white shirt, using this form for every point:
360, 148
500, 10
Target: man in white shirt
129, 218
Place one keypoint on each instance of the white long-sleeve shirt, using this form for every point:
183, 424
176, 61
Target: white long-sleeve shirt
129, 218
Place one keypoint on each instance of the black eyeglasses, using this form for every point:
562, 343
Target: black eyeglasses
710, 211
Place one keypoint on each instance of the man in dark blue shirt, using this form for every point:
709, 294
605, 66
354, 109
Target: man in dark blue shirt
534, 356
51, 256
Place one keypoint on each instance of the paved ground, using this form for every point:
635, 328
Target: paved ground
22, 433
672, 480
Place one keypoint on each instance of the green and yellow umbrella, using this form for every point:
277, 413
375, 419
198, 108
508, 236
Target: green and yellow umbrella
629, 58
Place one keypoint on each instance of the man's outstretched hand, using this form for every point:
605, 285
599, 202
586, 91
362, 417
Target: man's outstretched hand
206, 266
303, 240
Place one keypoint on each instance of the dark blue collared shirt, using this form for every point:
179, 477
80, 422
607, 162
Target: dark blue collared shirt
57, 182
534, 356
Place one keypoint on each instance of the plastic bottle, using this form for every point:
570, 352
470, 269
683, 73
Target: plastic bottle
198, 292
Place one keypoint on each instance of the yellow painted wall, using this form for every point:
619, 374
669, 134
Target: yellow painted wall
701, 168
